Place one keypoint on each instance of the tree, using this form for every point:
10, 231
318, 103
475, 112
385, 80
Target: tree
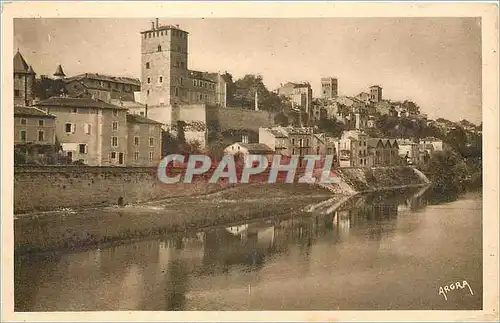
331, 126
281, 119
244, 94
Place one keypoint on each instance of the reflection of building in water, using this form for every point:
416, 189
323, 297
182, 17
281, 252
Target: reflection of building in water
239, 230
342, 220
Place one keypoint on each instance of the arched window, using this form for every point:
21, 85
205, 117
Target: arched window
159, 48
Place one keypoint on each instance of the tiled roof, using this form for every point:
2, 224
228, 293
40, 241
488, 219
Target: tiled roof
133, 118
31, 112
108, 78
127, 104
256, 148
77, 103
20, 65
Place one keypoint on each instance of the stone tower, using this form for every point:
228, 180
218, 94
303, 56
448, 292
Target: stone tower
329, 88
164, 70
375, 93
24, 81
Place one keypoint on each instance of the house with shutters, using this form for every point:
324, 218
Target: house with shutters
91, 131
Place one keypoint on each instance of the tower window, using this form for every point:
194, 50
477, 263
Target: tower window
159, 48
147, 65
149, 80
161, 79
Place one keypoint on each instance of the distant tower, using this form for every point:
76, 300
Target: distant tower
24, 81
59, 74
375, 93
164, 70
329, 88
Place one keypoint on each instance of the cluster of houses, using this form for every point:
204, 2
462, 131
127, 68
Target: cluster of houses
353, 149
80, 120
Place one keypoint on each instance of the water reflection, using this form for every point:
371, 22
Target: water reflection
227, 265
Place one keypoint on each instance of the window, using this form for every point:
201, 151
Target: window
145, 35
141, 113
115, 125
70, 155
23, 121
161, 33
17, 93
182, 64
147, 92
40, 135
82, 148
150, 155
69, 128
115, 113
136, 141
180, 80
149, 80
293, 141
147, 65
161, 79
194, 82
201, 97
151, 141
113, 155
75, 110
176, 91
23, 135
159, 48
136, 156
86, 128
114, 141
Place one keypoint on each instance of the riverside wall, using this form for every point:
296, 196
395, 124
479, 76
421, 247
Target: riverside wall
48, 188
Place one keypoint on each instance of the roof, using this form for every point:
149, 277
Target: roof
164, 27
133, 118
210, 77
277, 132
20, 65
127, 104
375, 86
256, 148
108, 78
77, 103
20, 111
299, 131
59, 71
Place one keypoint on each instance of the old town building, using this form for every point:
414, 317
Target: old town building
329, 88
24, 81
144, 141
91, 131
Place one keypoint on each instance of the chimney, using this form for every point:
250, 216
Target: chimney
152, 25
177, 26
157, 23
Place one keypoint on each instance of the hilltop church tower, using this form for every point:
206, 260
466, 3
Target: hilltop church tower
164, 70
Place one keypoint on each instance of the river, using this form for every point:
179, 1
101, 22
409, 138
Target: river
375, 252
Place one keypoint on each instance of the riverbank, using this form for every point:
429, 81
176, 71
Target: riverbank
84, 228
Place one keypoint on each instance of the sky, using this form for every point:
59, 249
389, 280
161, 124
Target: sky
435, 62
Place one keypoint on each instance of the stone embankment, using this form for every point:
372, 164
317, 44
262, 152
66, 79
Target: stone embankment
92, 218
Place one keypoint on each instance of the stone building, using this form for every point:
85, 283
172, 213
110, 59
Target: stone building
276, 138
352, 149
24, 81
383, 152
144, 141
34, 135
249, 149
300, 94
408, 150
33, 126
91, 131
375, 93
329, 88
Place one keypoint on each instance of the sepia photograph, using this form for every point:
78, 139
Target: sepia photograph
164, 162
